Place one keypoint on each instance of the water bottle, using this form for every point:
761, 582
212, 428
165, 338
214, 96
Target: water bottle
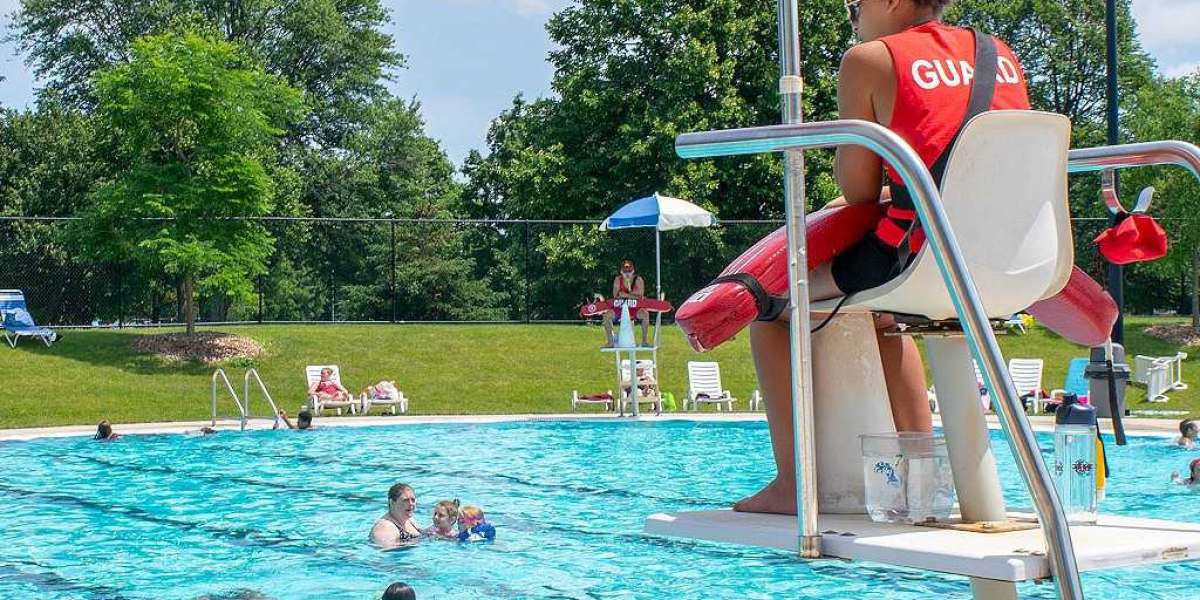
1075, 459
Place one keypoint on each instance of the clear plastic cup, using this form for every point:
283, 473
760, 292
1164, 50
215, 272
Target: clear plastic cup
907, 477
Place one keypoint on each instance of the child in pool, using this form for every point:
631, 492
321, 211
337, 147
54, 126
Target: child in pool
445, 517
1189, 430
1193, 478
472, 527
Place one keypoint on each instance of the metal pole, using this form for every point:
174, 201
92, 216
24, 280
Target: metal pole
260, 299
1116, 273
791, 107
528, 295
392, 279
657, 263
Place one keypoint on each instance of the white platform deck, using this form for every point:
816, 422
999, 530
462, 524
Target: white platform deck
1014, 556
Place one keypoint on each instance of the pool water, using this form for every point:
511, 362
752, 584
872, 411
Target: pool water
285, 514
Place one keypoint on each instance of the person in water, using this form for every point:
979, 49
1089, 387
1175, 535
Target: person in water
399, 591
303, 420
445, 517
397, 526
327, 389
105, 433
908, 75
1188, 431
1193, 477
627, 284
473, 526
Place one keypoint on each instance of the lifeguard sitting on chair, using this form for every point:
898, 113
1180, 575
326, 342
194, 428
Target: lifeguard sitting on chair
627, 285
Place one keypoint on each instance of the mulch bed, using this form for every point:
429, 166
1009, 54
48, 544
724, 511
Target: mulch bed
1179, 335
206, 347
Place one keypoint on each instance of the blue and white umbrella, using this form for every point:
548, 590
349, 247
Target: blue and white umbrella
663, 213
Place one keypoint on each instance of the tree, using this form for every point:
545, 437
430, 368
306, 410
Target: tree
333, 50
1170, 109
194, 126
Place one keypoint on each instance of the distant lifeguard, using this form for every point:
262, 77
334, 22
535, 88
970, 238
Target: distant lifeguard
627, 285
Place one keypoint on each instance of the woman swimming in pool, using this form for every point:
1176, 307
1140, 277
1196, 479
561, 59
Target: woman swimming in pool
397, 527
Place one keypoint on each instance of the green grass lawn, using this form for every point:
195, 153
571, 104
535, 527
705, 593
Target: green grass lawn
444, 369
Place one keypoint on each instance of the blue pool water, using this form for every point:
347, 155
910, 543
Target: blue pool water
285, 515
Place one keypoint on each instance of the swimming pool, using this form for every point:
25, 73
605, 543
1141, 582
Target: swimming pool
285, 514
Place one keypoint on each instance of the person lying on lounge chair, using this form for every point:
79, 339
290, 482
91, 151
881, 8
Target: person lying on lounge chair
327, 389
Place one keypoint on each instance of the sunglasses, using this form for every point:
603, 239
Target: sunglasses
853, 10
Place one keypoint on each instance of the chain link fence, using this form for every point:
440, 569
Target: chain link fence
395, 270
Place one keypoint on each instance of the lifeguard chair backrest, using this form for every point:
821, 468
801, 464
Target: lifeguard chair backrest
1005, 195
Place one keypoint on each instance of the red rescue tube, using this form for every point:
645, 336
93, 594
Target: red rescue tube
1082, 312
720, 310
592, 309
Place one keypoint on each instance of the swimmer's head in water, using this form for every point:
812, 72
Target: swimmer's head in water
402, 498
399, 591
470, 516
304, 420
1189, 428
445, 514
103, 430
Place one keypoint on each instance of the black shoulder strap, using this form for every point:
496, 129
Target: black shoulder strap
983, 90
769, 307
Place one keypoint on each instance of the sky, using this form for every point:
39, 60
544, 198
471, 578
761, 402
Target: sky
467, 59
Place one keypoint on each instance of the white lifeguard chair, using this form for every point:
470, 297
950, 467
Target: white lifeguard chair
1004, 197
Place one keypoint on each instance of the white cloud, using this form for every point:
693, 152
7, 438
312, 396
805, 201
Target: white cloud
1167, 22
525, 8
1180, 69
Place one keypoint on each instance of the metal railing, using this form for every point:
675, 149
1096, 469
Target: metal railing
253, 373
219, 375
242, 403
969, 308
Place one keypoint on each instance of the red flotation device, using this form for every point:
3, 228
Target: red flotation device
1082, 312
720, 310
593, 309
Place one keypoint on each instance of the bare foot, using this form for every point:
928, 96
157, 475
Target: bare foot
776, 498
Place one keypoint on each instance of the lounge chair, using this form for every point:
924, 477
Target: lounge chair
606, 399
756, 400
647, 385
1156, 373
17, 321
704, 386
1074, 382
1026, 374
392, 398
312, 374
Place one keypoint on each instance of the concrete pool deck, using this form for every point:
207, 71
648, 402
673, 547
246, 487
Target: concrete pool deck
1152, 427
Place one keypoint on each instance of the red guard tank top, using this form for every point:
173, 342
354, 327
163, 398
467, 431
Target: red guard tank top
934, 67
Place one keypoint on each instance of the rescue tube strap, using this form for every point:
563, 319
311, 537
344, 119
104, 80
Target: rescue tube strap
769, 307
983, 90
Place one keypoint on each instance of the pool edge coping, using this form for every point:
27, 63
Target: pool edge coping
1147, 427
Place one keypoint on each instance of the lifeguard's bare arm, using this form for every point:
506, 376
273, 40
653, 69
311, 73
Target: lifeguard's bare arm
866, 91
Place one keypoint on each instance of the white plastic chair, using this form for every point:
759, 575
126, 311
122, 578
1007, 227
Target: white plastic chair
312, 374
1026, 375
1005, 195
1156, 373
398, 401
756, 400
704, 386
647, 376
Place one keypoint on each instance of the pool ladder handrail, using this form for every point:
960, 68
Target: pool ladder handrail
265, 392
243, 402
944, 246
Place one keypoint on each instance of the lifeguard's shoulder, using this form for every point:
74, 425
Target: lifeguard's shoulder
866, 61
